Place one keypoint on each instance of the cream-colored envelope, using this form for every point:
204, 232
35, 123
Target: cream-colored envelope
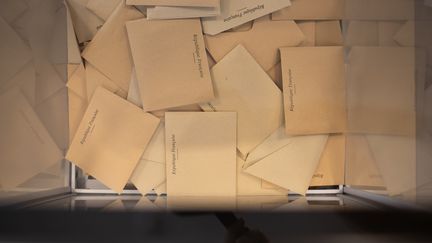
111, 138
95, 79
86, 23
238, 12
109, 51
169, 12
185, 3
102, 8
287, 161
312, 10
201, 153
262, 41
26, 147
170, 62
242, 86
314, 90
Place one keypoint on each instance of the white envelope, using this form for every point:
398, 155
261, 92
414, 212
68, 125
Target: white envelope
167, 12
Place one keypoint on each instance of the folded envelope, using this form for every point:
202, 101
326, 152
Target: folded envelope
262, 41
372, 33
312, 10
322, 33
109, 51
288, 162
238, 12
25, 79
170, 58
190, 3
102, 8
95, 79
201, 153
168, 12
111, 138
314, 90
242, 86
26, 146
86, 23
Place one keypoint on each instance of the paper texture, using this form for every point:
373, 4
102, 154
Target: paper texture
167, 12
201, 153
95, 79
238, 12
169, 57
111, 139
190, 3
314, 90
102, 8
85, 22
242, 86
321, 33
312, 10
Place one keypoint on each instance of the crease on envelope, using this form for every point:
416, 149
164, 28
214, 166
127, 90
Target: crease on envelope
201, 154
77, 82
311, 10
321, 33
238, 12
406, 34
111, 138
169, 56
10, 10
187, 3
309, 29
102, 8
86, 23
74, 54
275, 74
372, 33
77, 99
387, 31
168, 12
48, 81
95, 79
242, 86
379, 10
25, 79
262, 41
109, 51
288, 162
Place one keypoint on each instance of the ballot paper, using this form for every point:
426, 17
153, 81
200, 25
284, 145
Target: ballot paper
86, 23
312, 10
287, 161
201, 153
314, 90
102, 8
242, 86
169, 57
111, 139
187, 3
263, 41
26, 147
168, 12
238, 12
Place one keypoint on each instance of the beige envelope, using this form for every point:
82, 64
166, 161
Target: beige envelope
238, 12
201, 153
168, 12
372, 33
170, 58
95, 79
242, 86
190, 3
109, 50
308, 28
86, 23
275, 74
102, 8
111, 138
26, 148
77, 99
387, 31
379, 10
77, 82
322, 33
312, 10
288, 162
262, 41
314, 90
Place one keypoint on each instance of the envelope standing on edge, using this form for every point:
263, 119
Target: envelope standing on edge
262, 41
314, 90
285, 161
201, 153
238, 12
312, 10
111, 138
242, 86
170, 58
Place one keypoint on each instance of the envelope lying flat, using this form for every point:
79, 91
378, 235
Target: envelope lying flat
242, 86
111, 138
102, 8
167, 12
95, 79
312, 10
238, 12
314, 90
109, 50
201, 153
170, 57
26, 146
288, 162
262, 41
321, 33
85, 22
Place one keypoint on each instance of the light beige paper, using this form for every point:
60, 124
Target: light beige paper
102, 8
309, 29
190, 3
86, 23
26, 146
168, 12
262, 41
111, 138
288, 162
238, 12
242, 86
170, 57
95, 79
312, 10
275, 74
314, 90
109, 51
201, 153
77, 82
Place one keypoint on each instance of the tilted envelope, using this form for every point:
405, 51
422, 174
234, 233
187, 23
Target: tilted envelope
314, 90
168, 12
242, 86
111, 139
95, 79
312, 10
187, 3
262, 41
238, 12
288, 162
86, 23
102, 8
321, 33
170, 58
201, 153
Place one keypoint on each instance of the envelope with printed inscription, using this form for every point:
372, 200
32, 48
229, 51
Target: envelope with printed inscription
242, 86
201, 153
187, 3
314, 90
111, 138
312, 10
170, 58
238, 12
